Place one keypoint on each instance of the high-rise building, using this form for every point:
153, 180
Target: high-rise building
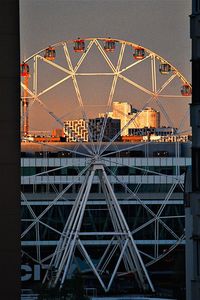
76, 130
112, 127
122, 111
133, 118
148, 117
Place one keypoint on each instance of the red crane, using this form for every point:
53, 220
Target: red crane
24, 72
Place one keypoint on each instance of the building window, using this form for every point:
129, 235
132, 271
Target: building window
118, 188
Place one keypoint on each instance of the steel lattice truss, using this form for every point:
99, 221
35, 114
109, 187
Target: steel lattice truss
121, 239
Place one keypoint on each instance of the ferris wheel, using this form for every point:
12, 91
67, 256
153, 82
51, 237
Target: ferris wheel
81, 80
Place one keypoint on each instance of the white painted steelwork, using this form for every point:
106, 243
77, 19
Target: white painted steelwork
95, 166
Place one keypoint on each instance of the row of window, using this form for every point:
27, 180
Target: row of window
124, 170
111, 153
96, 188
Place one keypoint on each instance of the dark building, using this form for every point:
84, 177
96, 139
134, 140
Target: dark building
111, 128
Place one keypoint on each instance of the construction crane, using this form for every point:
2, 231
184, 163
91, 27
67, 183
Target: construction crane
24, 72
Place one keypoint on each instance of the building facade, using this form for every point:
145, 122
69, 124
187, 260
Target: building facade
132, 118
112, 127
76, 130
147, 180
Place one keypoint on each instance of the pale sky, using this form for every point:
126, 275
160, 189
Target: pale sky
159, 25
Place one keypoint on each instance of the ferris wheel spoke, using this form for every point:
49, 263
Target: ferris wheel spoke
47, 172
121, 55
156, 238
53, 202
85, 117
94, 74
167, 82
77, 90
144, 205
44, 106
54, 85
125, 126
110, 98
123, 149
134, 64
35, 75
170, 123
30, 257
141, 227
168, 196
51, 228
164, 254
107, 59
78, 139
174, 96
126, 116
75, 83
168, 228
23, 197
182, 123
37, 234
147, 255
153, 73
78, 94
68, 59
55, 65
64, 149
83, 56
131, 193
146, 171
136, 85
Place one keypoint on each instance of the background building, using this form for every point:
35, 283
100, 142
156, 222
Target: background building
149, 117
112, 127
57, 132
76, 130
133, 118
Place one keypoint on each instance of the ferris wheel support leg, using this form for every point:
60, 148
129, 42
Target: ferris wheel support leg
104, 254
116, 225
140, 267
117, 265
70, 220
70, 244
129, 260
65, 233
92, 265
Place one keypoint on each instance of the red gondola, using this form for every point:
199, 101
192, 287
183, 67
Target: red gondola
164, 68
24, 69
139, 53
109, 45
79, 45
50, 53
186, 90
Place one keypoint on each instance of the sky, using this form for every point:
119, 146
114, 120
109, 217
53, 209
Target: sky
159, 25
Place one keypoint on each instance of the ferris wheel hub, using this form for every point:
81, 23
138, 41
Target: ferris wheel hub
96, 161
